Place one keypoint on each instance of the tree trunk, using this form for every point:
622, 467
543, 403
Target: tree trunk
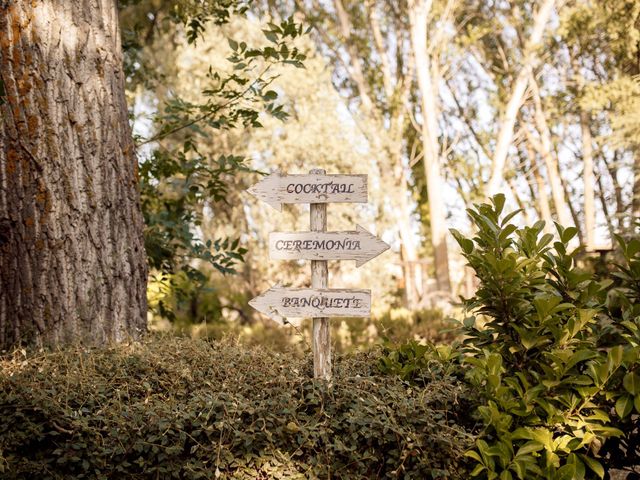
612, 169
543, 198
545, 149
589, 182
419, 16
72, 261
635, 201
411, 271
508, 121
605, 207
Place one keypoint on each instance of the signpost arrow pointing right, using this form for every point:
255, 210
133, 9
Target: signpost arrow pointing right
358, 245
279, 303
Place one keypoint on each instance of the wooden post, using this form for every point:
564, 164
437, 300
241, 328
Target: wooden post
319, 279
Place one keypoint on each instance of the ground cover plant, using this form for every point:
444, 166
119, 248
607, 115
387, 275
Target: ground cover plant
181, 408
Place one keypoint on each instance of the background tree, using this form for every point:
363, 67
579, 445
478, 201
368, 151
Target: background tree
369, 46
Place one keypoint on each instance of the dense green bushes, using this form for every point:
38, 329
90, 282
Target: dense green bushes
179, 408
553, 352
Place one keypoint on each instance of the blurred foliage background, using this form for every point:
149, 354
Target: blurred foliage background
441, 103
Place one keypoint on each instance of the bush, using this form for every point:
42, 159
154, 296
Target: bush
182, 408
553, 352
420, 363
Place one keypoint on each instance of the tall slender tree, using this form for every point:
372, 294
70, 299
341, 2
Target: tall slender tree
529, 61
428, 80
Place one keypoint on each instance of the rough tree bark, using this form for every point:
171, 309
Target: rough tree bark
72, 261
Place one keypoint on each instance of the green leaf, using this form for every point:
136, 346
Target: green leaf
579, 473
614, 357
540, 435
624, 405
506, 475
270, 95
607, 431
270, 36
580, 356
465, 244
529, 447
473, 454
631, 383
568, 234
566, 472
594, 465
633, 247
506, 219
498, 202
478, 470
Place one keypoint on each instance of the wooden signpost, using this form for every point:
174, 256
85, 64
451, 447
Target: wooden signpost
318, 302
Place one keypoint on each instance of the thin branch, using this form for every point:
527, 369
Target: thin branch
462, 113
219, 108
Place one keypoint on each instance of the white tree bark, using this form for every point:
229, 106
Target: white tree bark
419, 11
545, 148
589, 182
542, 198
505, 134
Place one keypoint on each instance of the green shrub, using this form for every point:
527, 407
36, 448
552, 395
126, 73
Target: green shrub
183, 408
553, 351
420, 363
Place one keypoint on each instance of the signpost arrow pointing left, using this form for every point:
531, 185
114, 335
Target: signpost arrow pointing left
279, 303
358, 245
279, 188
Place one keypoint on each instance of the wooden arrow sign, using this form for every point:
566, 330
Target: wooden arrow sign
279, 303
279, 188
358, 245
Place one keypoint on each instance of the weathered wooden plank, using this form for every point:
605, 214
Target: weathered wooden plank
279, 188
358, 245
321, 329
280, 303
